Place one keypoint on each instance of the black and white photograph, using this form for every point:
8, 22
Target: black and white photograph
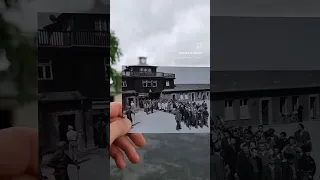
266, 108
169, 156
166, 99
73, 86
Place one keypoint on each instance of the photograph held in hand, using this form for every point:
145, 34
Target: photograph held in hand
166, 99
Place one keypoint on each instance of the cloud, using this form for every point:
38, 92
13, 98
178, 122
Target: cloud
25, 16
166, 32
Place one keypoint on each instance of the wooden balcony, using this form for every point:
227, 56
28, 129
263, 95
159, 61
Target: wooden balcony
73, 38
147, 74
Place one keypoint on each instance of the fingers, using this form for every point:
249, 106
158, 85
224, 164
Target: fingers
118, 157
127, 146
19, 151
137, 139
119, 127
115, 110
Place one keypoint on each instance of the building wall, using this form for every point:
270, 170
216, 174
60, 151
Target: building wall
134, 83
218, 109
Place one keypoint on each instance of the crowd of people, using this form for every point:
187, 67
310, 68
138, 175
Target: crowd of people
239, 153
192, 114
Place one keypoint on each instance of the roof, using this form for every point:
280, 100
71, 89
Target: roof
222, 81
60, 96
129, 92
188, 87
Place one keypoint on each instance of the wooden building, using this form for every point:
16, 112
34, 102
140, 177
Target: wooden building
73, 76
143, 81
264, 97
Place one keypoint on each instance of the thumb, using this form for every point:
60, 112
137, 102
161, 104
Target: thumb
119, 127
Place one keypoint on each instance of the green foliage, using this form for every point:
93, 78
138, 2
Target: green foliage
21, 52
115, 54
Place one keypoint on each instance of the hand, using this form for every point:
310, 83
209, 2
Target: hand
119, 128
19, 154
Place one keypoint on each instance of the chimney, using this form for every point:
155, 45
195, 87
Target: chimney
142, 60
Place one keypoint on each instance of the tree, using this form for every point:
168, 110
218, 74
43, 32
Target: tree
115, 54
21, 53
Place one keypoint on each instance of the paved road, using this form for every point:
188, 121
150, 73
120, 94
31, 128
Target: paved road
95, 168
314, 129
161, 122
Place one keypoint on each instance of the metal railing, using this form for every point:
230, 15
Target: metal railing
147, 74
73, 38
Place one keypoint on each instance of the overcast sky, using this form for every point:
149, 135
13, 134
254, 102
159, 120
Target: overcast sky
26, 16
163, 31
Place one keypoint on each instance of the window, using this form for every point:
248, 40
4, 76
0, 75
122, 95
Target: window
186, 97
124, 83
100, 25
295, 103
181, 96
229, 110
149, 70
45, 71
154, 83
141, 69
167, 83
144, 83
244, 109
208, 93
106, 68
283, 105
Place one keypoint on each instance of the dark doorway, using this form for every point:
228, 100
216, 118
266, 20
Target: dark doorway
192, 96
204, 97
99, 129
64, 122
173, 96
265, 112
154, 95
95, 119
111, 98
5, 119
313, 107
129, 101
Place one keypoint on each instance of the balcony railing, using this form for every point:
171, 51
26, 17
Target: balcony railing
73, 38
147, 74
